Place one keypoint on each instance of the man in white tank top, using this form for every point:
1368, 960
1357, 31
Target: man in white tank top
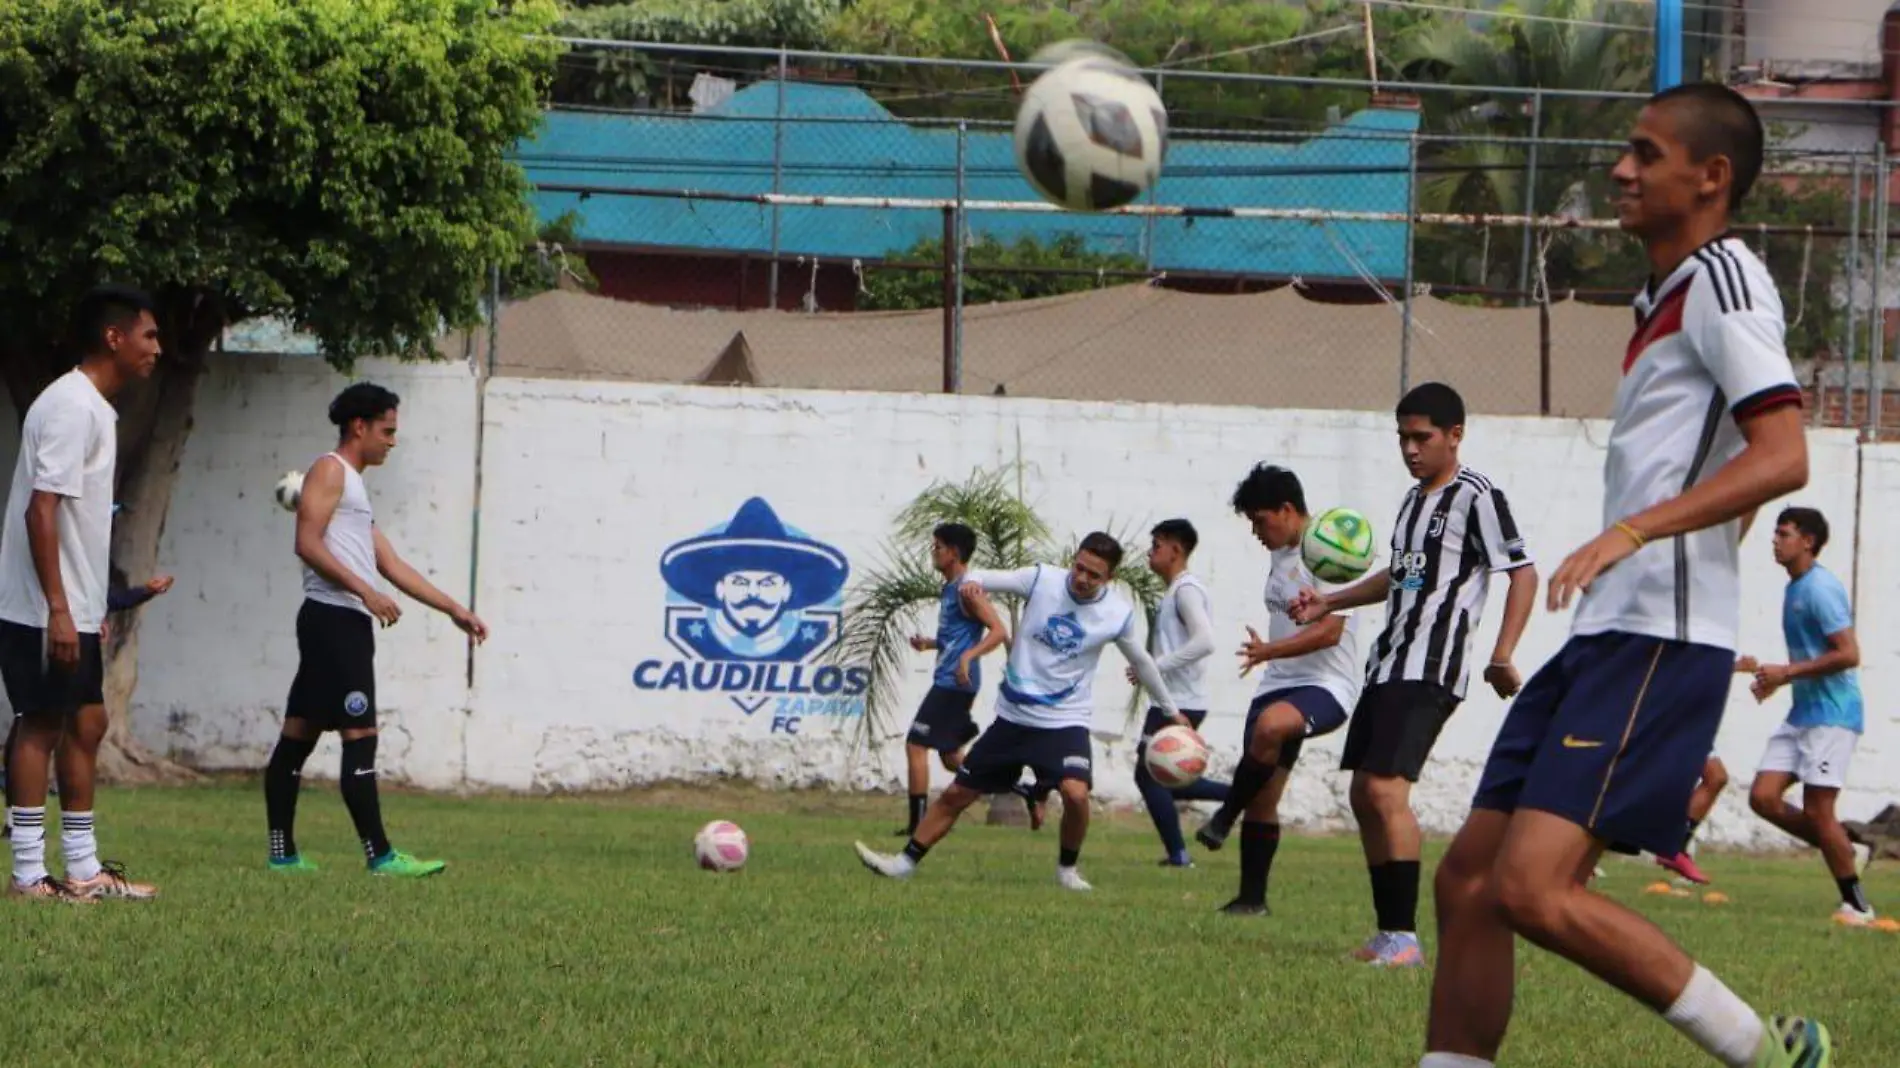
1181, 640
343, 553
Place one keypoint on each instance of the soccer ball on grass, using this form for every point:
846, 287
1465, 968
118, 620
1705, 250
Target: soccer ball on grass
721, 846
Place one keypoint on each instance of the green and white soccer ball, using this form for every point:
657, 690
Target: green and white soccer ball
1338, 545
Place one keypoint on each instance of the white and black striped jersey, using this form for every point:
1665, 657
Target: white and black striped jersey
1446, 543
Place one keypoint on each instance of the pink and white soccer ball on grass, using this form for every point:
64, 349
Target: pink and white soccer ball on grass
721, 846
1176, 757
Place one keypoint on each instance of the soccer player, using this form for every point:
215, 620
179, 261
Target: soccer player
335, 687
1714, 781
55, 558
1312, 677
1817, 742
1453, 532
1605, 743
964, 637
1046, 703
1182, 637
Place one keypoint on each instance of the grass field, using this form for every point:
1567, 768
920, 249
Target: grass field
578, 931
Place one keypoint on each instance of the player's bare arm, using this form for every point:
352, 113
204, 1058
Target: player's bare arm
42, 539
1519, 599
322, 489
1843, 654
1312, 604
411, 582
1773, 462
993, 636
1321, 635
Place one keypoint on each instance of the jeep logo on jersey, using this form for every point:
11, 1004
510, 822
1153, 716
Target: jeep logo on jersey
1408, 570
751, 605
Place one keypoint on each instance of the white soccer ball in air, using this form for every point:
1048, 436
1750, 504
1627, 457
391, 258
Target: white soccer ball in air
721, 846
1090, 132
289, 490
1176, 756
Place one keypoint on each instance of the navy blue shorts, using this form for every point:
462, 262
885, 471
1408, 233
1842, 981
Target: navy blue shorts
1321, 710
1611, 734
998, 758
943, 721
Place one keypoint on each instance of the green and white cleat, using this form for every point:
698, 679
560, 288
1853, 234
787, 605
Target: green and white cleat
1794, 1042
403, 866
293, 866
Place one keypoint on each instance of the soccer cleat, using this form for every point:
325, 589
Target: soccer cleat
1683, 865
293, 865
111, 882
1237, 907
1213, 833
1071, 879
891, 867
1391, 949
400, 865
1794, 1042
1175, 862
47, 888
1849, 916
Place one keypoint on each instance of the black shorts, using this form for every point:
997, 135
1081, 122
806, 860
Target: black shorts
37, 688
998, 758
1318, 707
335, 687
1394, 727
943, 721
1612, 734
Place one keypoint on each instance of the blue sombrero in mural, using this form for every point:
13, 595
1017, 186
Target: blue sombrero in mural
755, 540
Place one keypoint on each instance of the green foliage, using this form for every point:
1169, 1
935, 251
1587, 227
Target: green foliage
891, 288
610, 77
340, 163
555, 252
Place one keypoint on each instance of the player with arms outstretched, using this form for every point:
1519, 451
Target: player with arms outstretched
1605, 743
335, 687
1047, 700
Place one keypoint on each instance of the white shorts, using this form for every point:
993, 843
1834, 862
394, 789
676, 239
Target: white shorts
1817, 756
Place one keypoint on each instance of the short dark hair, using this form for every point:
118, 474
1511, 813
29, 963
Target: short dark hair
1269, 487
103, 307
1105, 546
1718, 121
1808, 521
363, 400
960, 539
1436, 402
1179, 531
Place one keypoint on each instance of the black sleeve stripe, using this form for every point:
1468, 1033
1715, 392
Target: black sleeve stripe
1741, 275
1766, 400
1507, 526
1714, 275
1722, 264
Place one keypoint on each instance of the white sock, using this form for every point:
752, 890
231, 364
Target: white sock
1714, 1018
82, 849
29, 845
1453, 1060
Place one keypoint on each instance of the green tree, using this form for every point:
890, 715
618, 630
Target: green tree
341, 164
555, 255
618, 77
1003, 277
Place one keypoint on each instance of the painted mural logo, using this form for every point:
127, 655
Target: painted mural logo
752, 605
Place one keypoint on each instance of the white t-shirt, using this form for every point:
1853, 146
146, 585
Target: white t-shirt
1708, 351
1050, 678
351, 539
69, 445
1183, 639
1335, 670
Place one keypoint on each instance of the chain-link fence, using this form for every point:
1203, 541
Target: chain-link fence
851, 222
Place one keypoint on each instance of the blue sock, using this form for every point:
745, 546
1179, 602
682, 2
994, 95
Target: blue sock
1160, 804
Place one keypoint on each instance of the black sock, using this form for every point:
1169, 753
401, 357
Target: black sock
359, 795
1258, 843
1067, 857
1395, 894
1690, 835
1852, 894
918, 802
1250, 778
915, 851
283, 776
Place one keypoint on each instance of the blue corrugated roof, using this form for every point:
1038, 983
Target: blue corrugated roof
1360, 164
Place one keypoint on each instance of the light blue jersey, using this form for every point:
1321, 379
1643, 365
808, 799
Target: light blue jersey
1816, 605
957, 633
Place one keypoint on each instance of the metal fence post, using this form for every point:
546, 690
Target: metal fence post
956, 266
1530, 202
1850, 345
949, 299
778, 175
1877, 349
1154, 192
1411, 255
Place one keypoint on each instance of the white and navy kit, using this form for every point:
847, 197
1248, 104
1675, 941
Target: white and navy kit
335, 686
1046, 702
1613, 732
1322, 684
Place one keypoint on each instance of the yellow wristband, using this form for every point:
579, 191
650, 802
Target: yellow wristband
1634, 534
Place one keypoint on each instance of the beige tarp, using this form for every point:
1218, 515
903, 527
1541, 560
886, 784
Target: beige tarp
1127, 343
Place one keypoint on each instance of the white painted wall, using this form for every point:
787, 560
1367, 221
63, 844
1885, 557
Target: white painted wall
585, 484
